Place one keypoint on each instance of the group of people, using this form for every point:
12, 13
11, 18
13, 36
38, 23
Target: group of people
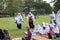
4, 35
19, 20
52, 30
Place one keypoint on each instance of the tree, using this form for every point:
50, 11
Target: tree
57, 5
40, 6
1, 6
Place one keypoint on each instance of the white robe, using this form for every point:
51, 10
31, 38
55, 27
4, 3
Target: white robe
52, 16
58, 19
19, 19
47, 27
56, 30
30, 16
43, 31
37, 28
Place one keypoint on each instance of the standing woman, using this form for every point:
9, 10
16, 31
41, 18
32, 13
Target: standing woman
58, 19
19, 21
52, 20
30, 18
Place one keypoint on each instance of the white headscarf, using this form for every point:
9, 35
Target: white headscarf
19, 18
29, 15
56, 29
52, 15
37, 28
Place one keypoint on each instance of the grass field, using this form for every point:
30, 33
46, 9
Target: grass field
8, 23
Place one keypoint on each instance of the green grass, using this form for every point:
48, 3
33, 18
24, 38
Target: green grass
8, 23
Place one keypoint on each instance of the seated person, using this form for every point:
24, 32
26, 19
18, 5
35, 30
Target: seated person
7, 35
56, 30
28, 36
44, 30
51, 32
37, 29
1, 35
47, 27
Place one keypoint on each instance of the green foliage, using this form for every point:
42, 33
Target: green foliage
26, 5
1, 6
8, 23
40, 7
57, 5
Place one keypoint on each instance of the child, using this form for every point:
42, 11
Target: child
7, 35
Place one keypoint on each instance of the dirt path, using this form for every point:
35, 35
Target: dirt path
36, 37
40, 38
16, 39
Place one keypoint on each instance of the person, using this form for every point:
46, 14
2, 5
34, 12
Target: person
58, 19
30, 18
29, 34
51, 32
19, 21
37, 29
52, 18
7, 35
45, 28
56, 31
1, 35
46, 25
44, 31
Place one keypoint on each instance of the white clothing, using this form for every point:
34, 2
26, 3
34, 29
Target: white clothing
56, 29
43, 31
19, 19
37, 28
30, 16
16, 19
52, 15
47, 27
58, 19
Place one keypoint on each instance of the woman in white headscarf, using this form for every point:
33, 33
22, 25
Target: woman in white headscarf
19, 20
44, 28
30, 18
58, 19
52, 18
37, 30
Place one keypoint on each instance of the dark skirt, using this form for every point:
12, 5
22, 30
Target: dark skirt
49, 36
31, 24
19, 26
